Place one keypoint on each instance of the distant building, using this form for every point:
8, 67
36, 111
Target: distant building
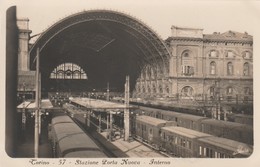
208, 68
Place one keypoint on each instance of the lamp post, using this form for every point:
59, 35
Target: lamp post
23, 113
37, 106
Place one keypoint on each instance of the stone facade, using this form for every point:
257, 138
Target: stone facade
26, 77
24, 35
205, 66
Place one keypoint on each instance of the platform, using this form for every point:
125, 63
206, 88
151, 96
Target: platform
134, 149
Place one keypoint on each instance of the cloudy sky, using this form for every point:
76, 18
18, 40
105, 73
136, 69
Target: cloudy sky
211, 16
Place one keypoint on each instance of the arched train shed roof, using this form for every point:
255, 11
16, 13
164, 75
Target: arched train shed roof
119, 25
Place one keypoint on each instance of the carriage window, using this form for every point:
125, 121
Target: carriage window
202, 127
205, 152
164, 137
138, 126
151, 131
183, 143
188, 144
211, 153
144, 127
200, 150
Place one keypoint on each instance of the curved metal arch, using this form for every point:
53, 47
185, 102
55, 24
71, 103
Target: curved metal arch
85, 16
144, 51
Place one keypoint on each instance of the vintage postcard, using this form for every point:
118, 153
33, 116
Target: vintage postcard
129, 83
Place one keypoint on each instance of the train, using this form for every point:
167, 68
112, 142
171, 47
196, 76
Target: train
178, 141
70, 141
230, 130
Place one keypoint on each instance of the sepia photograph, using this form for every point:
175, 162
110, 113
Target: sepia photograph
114, 83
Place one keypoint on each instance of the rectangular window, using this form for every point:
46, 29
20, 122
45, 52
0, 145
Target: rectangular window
200, 150
205, 151
176, 140
187, 70
213, 53
151, 131
188, 144
211, 153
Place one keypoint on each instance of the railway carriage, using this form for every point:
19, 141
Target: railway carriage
179, 141
231, 130
148, 129
69, 140
190, 121
216, 147
183, 142
244, 119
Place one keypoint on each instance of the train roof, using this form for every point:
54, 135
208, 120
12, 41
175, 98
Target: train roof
61, 119
85, 154
226, 124
191, 117
76, 141
173, 113
185, 132
231, 145
150, 120
244, 116
66, 129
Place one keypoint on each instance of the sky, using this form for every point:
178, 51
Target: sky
212, 16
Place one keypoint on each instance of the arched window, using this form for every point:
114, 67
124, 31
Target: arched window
68, 71
246, 69
143, 89
148, 89
155, 72
212, 91
229, 68
187, 91
187, 63
212, 68
154, 88
167, 89
144, 74
149, 72
160, 88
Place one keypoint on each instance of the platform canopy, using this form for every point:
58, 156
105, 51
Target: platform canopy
30, 105
98, 104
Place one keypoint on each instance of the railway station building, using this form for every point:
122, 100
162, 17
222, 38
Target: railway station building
189, 68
